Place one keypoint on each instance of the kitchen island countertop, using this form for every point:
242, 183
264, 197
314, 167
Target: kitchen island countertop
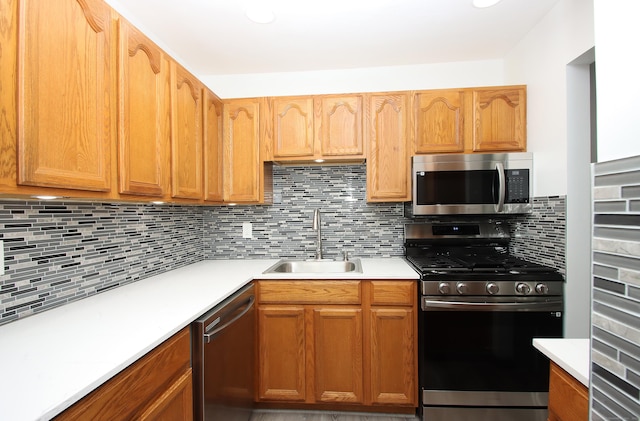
572, 355
52, 359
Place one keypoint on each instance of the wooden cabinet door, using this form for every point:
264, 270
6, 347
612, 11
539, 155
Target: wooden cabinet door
281, 353
393, 356
213, 163
499, 117
568, 398
144, 114
186, 134
438, 121
158, 383
66, 123
241, 143
292, 127
337, 350
176, 403
339, 126
388, 177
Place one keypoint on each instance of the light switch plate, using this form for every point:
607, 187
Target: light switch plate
247, 230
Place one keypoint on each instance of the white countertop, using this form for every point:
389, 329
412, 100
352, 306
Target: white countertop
572, 355
52, 359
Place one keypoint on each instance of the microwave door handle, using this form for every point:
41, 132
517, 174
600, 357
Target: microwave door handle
501, 187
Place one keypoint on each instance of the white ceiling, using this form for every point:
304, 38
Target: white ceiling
214, 37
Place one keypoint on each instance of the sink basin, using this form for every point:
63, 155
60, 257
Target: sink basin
316, 266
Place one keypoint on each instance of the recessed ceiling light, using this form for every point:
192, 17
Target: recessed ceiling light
481, 4
260, 14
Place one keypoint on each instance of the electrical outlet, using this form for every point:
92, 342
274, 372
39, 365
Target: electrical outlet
247, 230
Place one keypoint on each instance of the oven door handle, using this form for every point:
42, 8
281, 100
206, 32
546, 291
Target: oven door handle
552, 305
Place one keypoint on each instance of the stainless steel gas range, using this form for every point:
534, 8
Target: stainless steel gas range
480, 309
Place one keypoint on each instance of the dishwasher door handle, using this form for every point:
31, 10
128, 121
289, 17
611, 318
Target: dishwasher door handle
213, 329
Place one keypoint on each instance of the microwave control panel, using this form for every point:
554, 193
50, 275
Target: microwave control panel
517, 186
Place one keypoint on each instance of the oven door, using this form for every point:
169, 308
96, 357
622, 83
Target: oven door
479, 357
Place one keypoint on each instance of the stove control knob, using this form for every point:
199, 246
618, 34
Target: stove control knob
492, 288
444, 288
523, 288
542, 289
462, 288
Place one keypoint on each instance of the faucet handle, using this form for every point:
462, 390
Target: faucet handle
345, 255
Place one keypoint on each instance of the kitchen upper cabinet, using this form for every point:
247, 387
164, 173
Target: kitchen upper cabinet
327, 127
247, 179
293, 128
389, 139
339, 123
66, 106
213, 162
439, 121
186, 134
156, 387
144, 118
8, 107
499, 117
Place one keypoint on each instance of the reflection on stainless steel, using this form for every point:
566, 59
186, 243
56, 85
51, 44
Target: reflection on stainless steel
472, 184
223, 369
481, 307
316, 266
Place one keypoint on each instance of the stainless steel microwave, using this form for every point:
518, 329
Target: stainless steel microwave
472, 184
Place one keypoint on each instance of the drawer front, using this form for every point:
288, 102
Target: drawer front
396, 293
310, 292
138, 385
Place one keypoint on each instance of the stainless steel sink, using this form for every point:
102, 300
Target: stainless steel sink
316, 266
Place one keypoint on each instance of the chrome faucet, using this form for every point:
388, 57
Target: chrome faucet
316, 227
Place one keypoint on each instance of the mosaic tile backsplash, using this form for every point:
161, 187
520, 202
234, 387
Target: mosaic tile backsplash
284, 229
615, 318
541, 236
59, 252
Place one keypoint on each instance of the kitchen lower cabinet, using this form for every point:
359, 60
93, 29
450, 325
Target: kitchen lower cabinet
337, 354
281, 353
568, 398
344, 344
393, 343
156, 387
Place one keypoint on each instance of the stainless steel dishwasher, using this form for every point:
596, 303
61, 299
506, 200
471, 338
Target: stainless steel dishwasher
223, 359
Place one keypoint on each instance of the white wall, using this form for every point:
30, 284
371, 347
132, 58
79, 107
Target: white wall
377, 79
540, 60
617, 34
558, 134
